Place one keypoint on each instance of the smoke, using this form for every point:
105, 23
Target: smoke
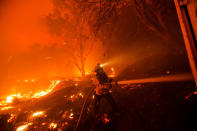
21, 24
21, 27
28, 50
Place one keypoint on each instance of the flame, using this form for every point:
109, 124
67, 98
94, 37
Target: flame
9, 99
12, 117
23, 127
53, 125
6, 108
39, 94
51, 87
36, 114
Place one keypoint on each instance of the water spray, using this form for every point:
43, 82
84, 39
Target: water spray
169, 78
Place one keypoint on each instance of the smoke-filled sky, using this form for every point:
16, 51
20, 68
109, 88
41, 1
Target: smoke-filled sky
21, 26
28, 50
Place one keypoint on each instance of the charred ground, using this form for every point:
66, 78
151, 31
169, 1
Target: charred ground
162, 106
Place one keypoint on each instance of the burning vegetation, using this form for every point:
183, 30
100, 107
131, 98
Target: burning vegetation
34, 111
60, 108
48, 66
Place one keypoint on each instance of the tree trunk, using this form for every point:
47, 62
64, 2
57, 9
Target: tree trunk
82, 70
82, 59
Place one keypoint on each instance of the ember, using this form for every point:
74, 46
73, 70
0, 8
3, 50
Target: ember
71, 116
106, 119
80, 94
12, 117
53, 125
36, 114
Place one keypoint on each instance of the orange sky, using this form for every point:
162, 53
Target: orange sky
21, 24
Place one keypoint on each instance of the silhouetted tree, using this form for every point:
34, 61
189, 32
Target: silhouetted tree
72, 20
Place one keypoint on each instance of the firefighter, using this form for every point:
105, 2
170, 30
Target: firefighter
103, 84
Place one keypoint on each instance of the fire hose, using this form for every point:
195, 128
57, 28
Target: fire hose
84, 107
178, 77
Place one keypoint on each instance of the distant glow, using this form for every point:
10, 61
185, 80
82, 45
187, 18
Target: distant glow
43, 123
72, 96
9, 99
80, 94
76, 84
112, 75
23, 127
87, 73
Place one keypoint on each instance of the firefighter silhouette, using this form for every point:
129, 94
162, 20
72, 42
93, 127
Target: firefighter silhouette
103, 85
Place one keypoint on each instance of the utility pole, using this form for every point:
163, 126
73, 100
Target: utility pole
187, 15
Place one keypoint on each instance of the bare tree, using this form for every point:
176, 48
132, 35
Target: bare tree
79, 21
152, 13
71, 20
